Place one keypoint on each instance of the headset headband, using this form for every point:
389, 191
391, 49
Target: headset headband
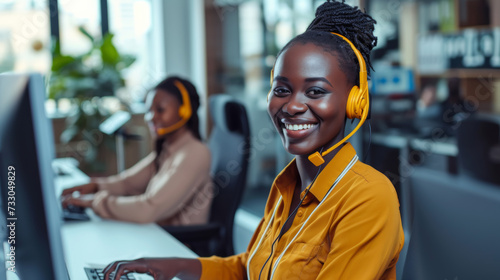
363, 76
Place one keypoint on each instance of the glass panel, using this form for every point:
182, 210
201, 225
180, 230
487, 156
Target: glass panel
24, 36
75, 14
130, 22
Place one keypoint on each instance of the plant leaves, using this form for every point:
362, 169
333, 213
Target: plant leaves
109, 53
61, 61
85, 79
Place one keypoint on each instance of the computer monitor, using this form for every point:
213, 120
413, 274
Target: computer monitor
28, 199
455, 230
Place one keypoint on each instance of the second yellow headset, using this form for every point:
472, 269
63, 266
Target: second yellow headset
358, 103
185, 111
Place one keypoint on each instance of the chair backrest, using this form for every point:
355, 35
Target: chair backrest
455, 232
478, 143
229, 143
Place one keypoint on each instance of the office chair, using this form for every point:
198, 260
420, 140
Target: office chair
477, 138
455, 230
229, 143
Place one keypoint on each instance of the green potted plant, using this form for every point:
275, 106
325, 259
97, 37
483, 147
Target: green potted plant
85, 79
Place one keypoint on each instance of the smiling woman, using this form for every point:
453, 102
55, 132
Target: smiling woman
170, 186
328, 215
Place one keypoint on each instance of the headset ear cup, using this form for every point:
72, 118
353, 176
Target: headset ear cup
184, 111
351, 108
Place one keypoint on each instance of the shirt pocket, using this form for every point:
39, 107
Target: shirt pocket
305, 260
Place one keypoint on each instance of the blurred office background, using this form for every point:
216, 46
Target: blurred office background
437, 66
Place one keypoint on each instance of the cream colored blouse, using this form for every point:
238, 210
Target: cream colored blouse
180, 193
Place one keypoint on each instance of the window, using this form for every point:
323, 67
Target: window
131, 23
24, 36
75, 14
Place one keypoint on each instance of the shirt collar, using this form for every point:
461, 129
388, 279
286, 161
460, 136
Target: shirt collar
287, 178
332, 170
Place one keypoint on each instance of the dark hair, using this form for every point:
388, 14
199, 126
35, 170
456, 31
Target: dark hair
352, 23
193, 123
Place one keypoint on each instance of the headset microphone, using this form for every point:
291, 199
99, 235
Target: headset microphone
358, 103
185, 111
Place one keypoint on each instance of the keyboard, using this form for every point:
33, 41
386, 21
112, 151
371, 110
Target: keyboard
96, 274
75, 213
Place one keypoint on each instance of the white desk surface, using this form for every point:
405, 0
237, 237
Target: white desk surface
98, 242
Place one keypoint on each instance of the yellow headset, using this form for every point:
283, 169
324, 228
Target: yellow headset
357, 107
185, 111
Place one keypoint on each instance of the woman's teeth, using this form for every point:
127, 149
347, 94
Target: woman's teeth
298, 126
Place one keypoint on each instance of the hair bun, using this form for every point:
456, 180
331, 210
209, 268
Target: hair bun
351, 22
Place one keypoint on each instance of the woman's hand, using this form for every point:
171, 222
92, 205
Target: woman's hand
79, 195
82, 189
159, 268
81, 201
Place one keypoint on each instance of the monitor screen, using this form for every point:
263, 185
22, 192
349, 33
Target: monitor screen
28, 202
454, 230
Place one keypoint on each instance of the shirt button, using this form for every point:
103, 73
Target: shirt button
299, 213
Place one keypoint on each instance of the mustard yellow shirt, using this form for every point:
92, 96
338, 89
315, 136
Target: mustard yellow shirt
355, 234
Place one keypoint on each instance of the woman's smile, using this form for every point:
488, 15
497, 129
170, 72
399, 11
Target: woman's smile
297, 128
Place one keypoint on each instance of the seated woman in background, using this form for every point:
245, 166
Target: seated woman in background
170, 186
328, 215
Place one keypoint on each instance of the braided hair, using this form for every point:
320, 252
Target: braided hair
352, 23
168, 85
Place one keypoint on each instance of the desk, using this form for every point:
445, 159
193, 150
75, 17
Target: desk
98, 242
435, 153
445, 146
